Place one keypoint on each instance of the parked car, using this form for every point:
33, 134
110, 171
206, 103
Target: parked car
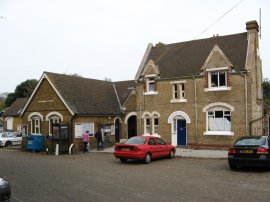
5, 190
250, 151
143, 148
9, 139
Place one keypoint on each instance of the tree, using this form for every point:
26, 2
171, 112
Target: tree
266, 91
23, 90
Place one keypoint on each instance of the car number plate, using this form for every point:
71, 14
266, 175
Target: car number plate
246, 151
125, 149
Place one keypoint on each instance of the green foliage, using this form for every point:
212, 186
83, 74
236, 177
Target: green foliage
266, 91
2, 105
23, 90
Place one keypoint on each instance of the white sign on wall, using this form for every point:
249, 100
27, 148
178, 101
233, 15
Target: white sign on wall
81, 128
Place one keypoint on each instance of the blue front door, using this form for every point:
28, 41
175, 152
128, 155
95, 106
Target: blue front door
181, 132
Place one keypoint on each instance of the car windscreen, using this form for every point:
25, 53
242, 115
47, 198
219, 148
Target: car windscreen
3, 135
136, 140
251, 142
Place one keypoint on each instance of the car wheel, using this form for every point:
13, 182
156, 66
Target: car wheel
8, 144
147, 158
172, 154
123, 160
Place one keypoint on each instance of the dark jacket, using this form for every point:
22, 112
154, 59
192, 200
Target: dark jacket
98, 136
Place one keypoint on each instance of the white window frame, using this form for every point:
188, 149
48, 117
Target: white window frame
181, 94
35, 127
150, 79
147, 128
154, 126
218, 132
209, 73
9, 121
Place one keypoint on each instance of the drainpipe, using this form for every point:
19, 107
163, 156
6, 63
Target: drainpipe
196, 112
246, 107
140, 118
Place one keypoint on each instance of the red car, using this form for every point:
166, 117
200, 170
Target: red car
143, 148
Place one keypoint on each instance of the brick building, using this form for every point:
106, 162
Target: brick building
63, 107
201, 93
11, 116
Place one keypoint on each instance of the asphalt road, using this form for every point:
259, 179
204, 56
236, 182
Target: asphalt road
100, 177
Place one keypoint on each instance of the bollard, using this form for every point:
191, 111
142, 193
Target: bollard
56, 149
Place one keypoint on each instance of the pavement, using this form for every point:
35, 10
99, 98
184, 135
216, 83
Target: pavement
188, 153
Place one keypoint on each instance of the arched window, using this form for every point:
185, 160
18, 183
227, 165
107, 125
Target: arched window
155, 124
147, 125
35, 124
218, 119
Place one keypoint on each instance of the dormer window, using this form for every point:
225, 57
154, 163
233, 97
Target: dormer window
150, 75
150, 85
217, 79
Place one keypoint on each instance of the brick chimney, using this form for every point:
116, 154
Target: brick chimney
252, 25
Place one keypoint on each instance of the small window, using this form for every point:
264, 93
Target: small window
35, 125
175, 91
151, 84
155, 125
217, 79
147, 125
178, 92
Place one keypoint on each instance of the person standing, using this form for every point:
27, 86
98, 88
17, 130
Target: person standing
85, 141
98, 137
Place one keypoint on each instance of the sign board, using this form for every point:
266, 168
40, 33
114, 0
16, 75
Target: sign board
81, 128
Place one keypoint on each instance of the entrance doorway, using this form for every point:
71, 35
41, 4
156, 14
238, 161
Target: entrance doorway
132, 126
181, 132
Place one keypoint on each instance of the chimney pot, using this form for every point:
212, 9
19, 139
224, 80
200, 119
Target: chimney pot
250, 25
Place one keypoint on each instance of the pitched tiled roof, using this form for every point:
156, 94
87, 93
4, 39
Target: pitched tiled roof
187, 58
86, 96
123, 89
16, 107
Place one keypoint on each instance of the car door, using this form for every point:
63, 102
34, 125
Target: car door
154, 147
13, 138
164, 150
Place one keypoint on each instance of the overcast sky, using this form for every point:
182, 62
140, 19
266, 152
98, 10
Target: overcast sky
107, 38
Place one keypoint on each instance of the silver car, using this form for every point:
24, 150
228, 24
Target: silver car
9, 139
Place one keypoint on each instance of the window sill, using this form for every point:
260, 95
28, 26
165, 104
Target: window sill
178, 100
217, 89
151, 93
219, 133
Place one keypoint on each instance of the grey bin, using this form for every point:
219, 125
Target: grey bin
35, 142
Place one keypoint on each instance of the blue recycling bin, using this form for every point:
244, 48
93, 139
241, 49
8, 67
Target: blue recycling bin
35, 142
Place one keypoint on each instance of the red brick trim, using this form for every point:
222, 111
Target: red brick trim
206, 79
